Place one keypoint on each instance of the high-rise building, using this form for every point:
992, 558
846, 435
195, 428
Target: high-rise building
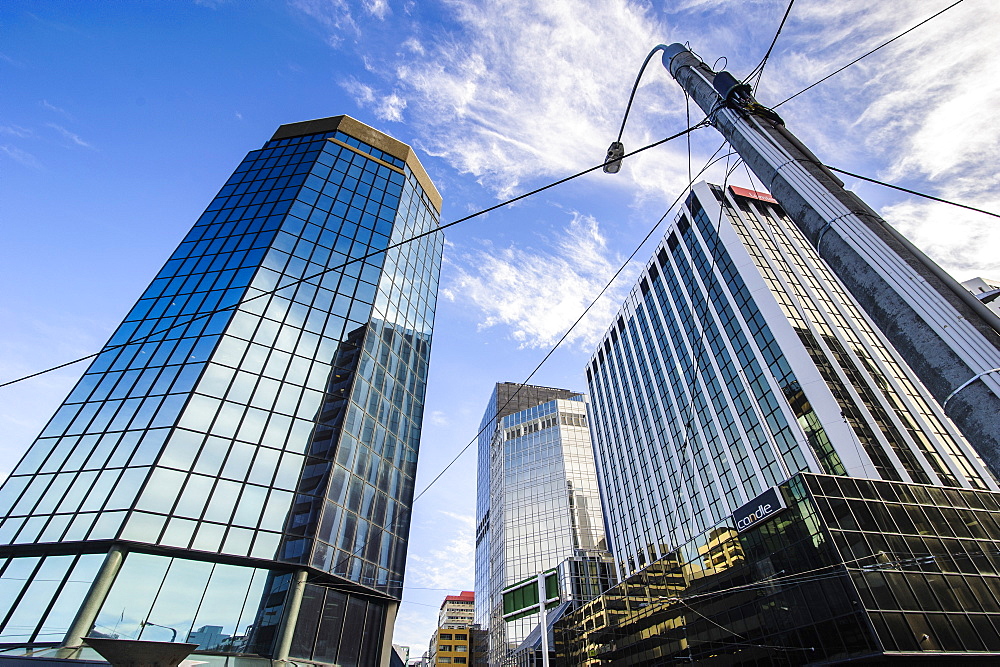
738, 360
736, 384
235, 468
537, 501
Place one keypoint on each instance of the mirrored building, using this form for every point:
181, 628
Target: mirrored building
538, 505
738, 360
235, 468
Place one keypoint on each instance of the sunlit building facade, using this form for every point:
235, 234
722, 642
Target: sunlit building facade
538, 502
737, 361
454, 639
235, 468
848, 571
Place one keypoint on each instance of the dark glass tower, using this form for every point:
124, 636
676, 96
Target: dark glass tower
237, 464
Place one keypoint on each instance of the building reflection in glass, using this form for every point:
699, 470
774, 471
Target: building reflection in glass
852, 569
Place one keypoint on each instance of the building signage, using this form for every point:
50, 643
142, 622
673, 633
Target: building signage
762, 507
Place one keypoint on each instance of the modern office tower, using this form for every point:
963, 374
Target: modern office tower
537, 500
737, 361
236, 466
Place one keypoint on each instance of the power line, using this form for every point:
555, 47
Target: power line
759, 69
354, 260
572, 326
865, 55
912, 192
521, 385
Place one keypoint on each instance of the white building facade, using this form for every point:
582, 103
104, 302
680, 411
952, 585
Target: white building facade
738, 360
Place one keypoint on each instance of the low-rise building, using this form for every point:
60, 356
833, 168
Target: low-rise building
454, 640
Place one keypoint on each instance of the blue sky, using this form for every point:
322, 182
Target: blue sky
120, 121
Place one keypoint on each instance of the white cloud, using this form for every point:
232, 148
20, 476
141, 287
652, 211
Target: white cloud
16, 131
70, 136
18, 155
919, 113
387, 106
452, 564
528, 89
51, 107
439, 418
334, 15
377, 8
513, 92
538, 293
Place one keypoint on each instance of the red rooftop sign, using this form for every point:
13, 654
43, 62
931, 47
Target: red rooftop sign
753, 194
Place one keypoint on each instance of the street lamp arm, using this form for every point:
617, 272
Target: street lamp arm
173, 637
613, 161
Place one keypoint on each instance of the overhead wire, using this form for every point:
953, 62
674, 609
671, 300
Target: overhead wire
354, 260
711, 161
912, 192
758, 71
686, 431
868, 53
575, 323
489, 209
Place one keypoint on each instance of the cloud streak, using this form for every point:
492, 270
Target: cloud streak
537, 293
453, 563
69, 136
21, 156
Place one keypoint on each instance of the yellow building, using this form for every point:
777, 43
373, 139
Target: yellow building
453, 641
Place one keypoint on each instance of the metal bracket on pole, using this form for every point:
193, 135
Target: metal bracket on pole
944, 405
825, 228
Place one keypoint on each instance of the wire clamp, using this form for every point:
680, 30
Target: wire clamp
825, 228
944, 405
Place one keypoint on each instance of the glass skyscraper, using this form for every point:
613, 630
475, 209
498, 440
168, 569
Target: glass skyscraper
737, 361
537, 501
235, 468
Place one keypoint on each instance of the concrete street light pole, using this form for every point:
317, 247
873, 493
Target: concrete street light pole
947, 336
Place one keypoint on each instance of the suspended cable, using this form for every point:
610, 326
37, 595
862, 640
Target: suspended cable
865, 55
572, 326
758, 71
912, 192
354, 260
521, 385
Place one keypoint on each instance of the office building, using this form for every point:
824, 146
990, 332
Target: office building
737, 361
236, 466
781, 488
453, 641
457, 610
537, 502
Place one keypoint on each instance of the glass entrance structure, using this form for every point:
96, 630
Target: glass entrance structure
848, 571
235, 468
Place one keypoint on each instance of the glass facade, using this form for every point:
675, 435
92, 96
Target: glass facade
853, 570
737, 361
538, 500
257, 414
